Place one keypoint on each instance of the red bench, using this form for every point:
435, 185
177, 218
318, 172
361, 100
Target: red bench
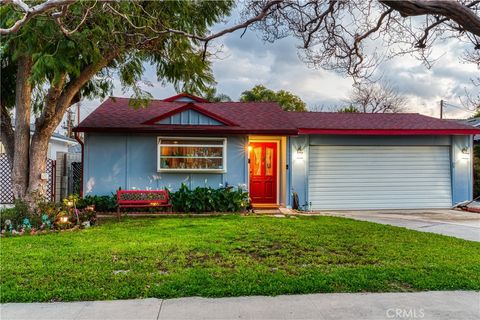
142, 199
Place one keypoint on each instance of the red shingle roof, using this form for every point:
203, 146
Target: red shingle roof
115, 115
246, 117
375, 124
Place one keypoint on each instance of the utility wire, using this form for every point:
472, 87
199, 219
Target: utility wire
458, 107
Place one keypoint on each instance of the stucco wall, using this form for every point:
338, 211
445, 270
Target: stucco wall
461, 168
130, 161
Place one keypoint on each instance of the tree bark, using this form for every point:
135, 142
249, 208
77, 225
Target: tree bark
38, 161
7, 135
23, 100
59, 98
450, 9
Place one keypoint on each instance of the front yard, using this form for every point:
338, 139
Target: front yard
232, 256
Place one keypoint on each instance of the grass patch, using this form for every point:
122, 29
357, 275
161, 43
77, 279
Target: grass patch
232, 256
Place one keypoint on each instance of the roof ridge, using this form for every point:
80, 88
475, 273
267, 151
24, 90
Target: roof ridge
183, 102
369, 113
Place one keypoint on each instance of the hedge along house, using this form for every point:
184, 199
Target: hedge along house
330, 160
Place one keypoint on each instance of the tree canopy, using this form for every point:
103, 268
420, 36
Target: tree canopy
54, 61
212, 95
287, 100
349, 109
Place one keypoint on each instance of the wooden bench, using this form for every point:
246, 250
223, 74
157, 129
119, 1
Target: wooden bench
142, 199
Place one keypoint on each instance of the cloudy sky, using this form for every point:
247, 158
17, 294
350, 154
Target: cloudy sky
247, 61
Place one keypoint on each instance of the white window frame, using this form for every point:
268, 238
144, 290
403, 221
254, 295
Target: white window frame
224, 153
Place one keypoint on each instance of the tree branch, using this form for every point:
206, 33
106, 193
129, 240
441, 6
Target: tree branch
451, 9
67, 32
205, 39
30, 12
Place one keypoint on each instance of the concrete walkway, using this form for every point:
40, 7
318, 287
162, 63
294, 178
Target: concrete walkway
455, 223
436, 305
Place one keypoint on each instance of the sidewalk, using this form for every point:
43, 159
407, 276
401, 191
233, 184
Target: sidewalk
436, 305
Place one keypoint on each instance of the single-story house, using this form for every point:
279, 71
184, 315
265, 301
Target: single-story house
330, 160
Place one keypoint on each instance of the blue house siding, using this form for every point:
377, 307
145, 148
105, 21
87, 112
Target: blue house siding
130, 161
461, 169
190, 117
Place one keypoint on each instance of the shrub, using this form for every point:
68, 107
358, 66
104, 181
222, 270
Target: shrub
101, 203
207, 199
11, 216
476, 171
15, 217
44, 215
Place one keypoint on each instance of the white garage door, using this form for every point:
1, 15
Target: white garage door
379, 177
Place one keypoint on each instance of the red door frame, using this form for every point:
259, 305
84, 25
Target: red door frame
263, 187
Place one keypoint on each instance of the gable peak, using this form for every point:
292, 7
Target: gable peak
185, 97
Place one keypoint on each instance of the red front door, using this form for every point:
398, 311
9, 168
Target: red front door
263, 172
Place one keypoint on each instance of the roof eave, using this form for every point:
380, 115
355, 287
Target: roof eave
389, 132
201, 131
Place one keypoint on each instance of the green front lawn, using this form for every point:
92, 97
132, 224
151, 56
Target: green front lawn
232, 256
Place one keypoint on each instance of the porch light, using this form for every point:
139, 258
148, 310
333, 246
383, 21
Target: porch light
300, 153
249, 148
465, 153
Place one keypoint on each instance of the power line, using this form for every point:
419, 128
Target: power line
458, 107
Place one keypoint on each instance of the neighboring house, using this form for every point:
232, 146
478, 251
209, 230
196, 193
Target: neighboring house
57, 143
331, 160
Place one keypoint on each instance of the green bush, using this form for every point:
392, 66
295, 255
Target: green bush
101, 203
43, 215
476, 171
207, 199
10, 214
21, 216
200, 199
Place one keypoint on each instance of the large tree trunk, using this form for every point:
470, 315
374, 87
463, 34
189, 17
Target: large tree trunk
59, 98
38, 161
23, 102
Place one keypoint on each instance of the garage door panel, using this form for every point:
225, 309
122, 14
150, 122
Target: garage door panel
332, 183
379, 177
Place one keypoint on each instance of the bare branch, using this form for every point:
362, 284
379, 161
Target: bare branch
450, 9
379, 97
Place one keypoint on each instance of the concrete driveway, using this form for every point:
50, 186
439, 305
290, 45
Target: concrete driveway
455, 223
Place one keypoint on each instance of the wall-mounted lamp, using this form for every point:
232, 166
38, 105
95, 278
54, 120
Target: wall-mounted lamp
249, 148
465, 153
300, 153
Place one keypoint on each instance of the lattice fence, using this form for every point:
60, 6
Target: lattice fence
6, 192
76, 177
